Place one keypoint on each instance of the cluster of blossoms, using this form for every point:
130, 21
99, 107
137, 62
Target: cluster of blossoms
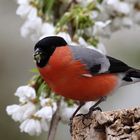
121, 13
103, 17
38, 24
35, 113
80, 22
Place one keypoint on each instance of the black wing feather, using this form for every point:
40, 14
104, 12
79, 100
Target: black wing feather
117, 66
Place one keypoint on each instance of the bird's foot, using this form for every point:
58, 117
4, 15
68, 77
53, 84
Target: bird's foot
85, 116
88, 115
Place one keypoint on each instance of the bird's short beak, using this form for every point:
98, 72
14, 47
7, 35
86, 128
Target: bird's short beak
37, 55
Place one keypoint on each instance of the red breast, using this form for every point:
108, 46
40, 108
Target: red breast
64, 75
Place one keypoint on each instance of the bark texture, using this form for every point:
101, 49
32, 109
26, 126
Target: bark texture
114, 125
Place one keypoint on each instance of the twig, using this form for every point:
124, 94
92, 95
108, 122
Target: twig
69, 5
114, 125
54, 123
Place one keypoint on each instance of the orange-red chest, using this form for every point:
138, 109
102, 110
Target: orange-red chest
64, 75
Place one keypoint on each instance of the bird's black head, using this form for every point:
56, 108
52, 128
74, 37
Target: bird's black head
45, 48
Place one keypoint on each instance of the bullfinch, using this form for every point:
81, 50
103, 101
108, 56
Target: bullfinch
80, 73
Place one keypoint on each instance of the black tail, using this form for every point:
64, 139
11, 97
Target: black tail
131, 73
117, 66
135, 73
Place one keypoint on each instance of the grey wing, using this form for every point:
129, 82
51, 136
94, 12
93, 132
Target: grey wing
95, 61
98, 63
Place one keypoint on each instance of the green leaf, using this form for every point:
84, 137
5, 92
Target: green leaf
91, 6
42, 87
99, 1
49, 4
70, 102
93, 41
34, 70
65, 19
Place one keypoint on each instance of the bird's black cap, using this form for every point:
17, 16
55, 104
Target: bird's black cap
45, 48
51, 41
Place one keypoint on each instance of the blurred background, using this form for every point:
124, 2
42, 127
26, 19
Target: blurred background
16, 61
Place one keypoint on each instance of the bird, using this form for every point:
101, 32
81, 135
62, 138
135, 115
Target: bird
81, 73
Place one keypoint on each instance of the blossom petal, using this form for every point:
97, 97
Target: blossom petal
45, 113
31, 126
25, 93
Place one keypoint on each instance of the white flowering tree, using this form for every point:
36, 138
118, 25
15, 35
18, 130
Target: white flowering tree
82, 22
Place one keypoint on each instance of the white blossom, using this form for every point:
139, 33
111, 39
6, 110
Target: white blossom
66, 111
94, 15
21, 112
116, 24
23, 2
101, 48
48, 108
123, 13
24, 30
32, 26
31, 126
127, 22
44, 124
45, 113
23, 10
112, 2
34, 126
100, 26
66, 36
99, 29
47, 29
32, 13
118, 6
123, 7
33, 120
82, 42
12, 110
25, 93
84, 2
35, 28
48, 102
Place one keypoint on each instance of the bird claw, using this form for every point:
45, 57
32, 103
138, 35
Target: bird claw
94, 109
85, 116
88, 115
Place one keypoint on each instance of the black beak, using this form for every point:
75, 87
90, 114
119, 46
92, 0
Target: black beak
37, 55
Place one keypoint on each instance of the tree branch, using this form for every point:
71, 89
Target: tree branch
54, 123
114, 125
